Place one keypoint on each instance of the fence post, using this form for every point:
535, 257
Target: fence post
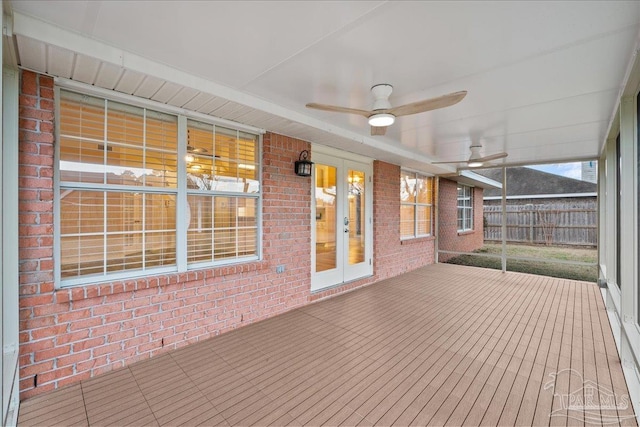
529, 206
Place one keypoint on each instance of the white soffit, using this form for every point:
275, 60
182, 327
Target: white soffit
543, 78
127, 76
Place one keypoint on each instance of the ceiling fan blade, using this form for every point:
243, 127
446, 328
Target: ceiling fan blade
491, 157
378, 130
450, 162
336, 109
427, 104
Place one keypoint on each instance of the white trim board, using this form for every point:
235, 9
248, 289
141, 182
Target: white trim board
543, 196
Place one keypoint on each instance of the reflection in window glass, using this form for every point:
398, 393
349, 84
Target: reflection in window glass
325, 192
465, 208
416, 205
118, 190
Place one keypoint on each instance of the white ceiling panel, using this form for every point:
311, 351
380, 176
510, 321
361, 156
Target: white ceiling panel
238, 114
108, 75
129, 82
196, 103
542, 77
85, 69
212, 105
166, 92
33, 53
149, 86
228, 110
60, 62
183, 96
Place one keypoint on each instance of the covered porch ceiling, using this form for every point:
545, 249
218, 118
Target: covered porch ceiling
543, 78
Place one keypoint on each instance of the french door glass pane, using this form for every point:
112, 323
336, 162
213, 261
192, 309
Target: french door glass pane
356, 227
325, 192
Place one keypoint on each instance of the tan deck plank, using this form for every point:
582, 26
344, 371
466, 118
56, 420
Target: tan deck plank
138, 415
209, 418
66, 415
439, 345
176, 414
493, 328
113, 413
501, 334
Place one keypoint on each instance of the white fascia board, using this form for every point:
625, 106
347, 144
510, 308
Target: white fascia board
481, 181
473, 179
45, 32
543, 196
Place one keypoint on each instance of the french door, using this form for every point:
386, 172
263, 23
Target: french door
342, 223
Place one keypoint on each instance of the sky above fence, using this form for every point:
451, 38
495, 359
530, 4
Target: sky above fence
570, 170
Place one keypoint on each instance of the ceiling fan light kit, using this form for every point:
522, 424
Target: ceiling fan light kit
382, 119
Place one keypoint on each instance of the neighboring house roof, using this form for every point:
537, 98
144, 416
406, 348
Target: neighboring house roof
522, 181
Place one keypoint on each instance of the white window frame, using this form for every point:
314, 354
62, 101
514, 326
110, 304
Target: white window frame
415, 205
467, 211
180, 191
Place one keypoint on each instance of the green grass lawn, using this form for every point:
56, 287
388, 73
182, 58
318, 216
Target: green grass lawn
576, 272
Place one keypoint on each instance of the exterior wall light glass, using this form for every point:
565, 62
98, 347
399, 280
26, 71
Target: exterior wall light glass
303, 164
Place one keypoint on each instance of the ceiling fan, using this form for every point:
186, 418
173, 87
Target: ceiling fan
383, 115
475, 159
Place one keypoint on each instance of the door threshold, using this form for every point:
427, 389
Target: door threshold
328, 288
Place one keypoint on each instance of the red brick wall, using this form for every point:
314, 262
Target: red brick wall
449, 239
394, 256
72, 334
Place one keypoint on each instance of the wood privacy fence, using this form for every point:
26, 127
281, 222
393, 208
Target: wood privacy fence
558, 223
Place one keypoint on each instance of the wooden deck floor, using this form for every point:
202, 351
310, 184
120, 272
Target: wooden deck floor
443, 345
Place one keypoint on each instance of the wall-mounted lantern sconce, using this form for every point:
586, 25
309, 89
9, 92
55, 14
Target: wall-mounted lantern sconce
303, 164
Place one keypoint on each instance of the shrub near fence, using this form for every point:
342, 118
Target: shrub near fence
558, 223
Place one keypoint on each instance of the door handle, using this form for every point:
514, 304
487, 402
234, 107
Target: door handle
346, 230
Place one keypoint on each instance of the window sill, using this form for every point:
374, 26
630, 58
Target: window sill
416, 240
466, 232
82, 292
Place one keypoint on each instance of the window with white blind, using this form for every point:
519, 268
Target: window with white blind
416, 205
465, 208
120, 187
